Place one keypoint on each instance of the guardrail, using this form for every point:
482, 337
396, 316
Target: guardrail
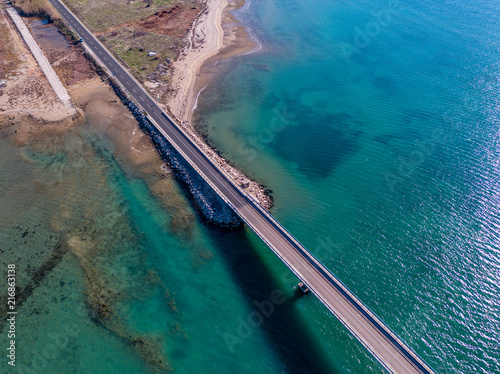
326, 274
360, 305
308, 256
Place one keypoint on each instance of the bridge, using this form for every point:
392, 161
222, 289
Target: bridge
390, 351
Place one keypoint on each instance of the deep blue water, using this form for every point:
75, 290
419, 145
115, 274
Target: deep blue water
376, 126
376, 123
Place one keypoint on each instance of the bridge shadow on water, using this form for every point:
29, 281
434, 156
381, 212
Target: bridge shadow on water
284, 327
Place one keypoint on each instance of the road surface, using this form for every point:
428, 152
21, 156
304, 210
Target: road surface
393, 354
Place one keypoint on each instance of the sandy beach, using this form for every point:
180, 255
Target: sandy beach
205, 39
208, 39
215, 35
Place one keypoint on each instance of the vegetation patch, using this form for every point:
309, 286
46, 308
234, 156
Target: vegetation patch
103, 15
36, 8
8, 58
145, 35
133, 47
174, 22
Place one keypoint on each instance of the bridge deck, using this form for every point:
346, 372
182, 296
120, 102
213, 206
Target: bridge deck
394, 355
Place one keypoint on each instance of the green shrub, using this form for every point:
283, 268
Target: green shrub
36, 8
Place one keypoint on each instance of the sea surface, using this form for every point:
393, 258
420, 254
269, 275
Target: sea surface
374, 123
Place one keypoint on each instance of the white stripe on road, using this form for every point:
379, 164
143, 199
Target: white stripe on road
291, 251
271, 231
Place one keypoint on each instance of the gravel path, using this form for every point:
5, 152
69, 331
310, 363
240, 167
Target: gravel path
51, 75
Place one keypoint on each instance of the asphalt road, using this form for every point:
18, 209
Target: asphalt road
393, 354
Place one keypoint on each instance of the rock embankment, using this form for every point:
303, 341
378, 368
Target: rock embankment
211, 206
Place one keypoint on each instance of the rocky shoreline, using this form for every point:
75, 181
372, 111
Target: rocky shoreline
213, 209
209, 42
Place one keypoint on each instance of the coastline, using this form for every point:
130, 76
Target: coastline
205, 39
215, 35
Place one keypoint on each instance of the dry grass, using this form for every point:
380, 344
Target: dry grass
101, 15
132, 28
9, 60
36, 7
133, 46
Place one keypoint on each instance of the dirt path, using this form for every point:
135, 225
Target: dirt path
52, 77
25, 89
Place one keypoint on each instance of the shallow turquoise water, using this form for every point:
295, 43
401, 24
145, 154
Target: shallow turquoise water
376, 126
84, 229
384, 164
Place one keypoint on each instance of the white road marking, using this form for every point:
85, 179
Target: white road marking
252, 214
293, 254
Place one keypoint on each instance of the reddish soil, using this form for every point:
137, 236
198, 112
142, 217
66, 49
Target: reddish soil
174, 22
2, 67
82, 70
